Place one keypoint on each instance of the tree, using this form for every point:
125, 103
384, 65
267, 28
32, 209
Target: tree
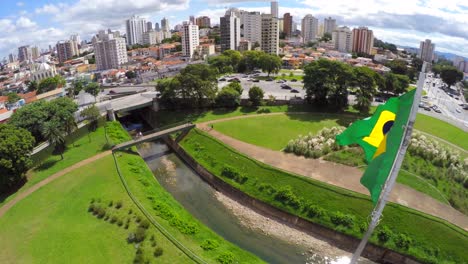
32, 86
70, 126
228, 97
270, 63
234, 56
251, 60
398, 66
130, 75
364, 79
236, 86
93, 88
13, 97
15, 146
326, 37
222, 63
417, 63
51, 83
77, 86
91, 115
256, 95
31, 117
54, 134
395, 83
451, 75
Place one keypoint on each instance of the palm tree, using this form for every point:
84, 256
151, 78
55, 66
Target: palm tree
70, 126
54, 135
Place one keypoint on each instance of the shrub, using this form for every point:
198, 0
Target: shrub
139, 259
184, 227
144, 224
315, 146
266, 187
152, 238
118, 204
111, 203
384, 234
225, 258
92, 200
140, 234
158, 252
126, 226
209, 244
113, 219
120, 222
232, 173
101, 212
314, 211
91, 208
287, 197
402, 241
255, 95
130, 211
339, 218
131, 238
138, 219
153, 244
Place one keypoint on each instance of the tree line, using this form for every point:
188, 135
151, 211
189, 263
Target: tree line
234, 61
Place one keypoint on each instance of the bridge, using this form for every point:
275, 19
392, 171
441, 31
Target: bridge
156, 135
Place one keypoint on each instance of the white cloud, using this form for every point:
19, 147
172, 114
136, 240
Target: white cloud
24, 22
47, 9
7, 25
20, 4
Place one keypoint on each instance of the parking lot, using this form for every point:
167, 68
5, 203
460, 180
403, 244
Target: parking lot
269, 87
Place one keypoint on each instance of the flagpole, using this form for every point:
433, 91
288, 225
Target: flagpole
377, 212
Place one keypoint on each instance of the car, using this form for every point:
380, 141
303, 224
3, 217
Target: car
256, 80
245, 76
234, 80
222, 80
269, 80
294, 91
379, 99
427, 108
421, 105
287, 87
437, 110
456, 98
280, 81
458, 110
293, 80
425, 97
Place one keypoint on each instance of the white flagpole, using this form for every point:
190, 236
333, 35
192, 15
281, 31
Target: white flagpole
377, 212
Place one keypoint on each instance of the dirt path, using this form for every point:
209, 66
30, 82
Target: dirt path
49, 179
336, 174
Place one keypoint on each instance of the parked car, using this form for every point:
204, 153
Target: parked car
269, 80
222, 80
280, 81
256, 80
421, 105
427, 108
458, 110
294, 91
293, 80
379, 99
285, 86
437, 110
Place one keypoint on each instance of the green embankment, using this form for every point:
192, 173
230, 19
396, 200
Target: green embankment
442, 130
431, 239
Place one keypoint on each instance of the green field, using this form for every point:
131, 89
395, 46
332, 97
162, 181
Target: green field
52, 225
442, 130
48, 164
274, 132
432, 239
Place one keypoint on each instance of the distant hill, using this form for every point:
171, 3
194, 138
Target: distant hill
447, 55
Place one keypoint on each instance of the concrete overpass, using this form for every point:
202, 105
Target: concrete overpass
128, 103
156, 135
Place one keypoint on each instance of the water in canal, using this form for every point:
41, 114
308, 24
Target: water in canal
199, 199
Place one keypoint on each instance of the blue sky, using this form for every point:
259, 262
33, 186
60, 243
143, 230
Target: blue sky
404, 22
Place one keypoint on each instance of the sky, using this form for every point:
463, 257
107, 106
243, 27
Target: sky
403, 22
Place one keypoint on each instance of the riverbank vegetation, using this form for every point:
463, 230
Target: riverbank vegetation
427, 238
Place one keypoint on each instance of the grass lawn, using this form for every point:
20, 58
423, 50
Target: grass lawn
52, 225
432, 239
419, 184
442, 130
274, 132
47, 164
172, 216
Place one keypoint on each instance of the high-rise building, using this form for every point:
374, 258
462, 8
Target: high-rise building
24, 53
230, 31
156, 26
329, 24
252, 27
309, 28
149, 26
363, 40
203, 22
110, 51
281, 25
274, 8
270, 34
35, 53
165, 24
190, 38
135, 27
11, 58
287, 24
342, 39
426, 50
66, 50
192, 20
76, 38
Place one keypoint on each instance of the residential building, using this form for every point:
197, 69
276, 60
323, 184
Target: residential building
245, 45
287, 24
205, 50
251, 23
66, 50
152, 37
35, 53
309, 28
363, 40
329, 24
230, 31
110, 51
203, 22
24, 53
156, 26
281, 25
192, 20
149, 26
342, 39
135, 27
270, 34
40, 71
274, 9
190, 39
165, 25
76, 38
426, 50
321, 30
11, 58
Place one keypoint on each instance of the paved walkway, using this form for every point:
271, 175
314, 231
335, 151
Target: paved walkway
336, 174
49, 179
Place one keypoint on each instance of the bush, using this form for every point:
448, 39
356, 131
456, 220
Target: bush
209, 244
256, 95
402, 241
228, 97
101, 212
111, 203
138, 219
225, 258
287, 197
384, 234
140, 234
158, 252
267, 188
120, 222
233, 174
118, 204
339, 218
113, 219
130, 211
314, 211
315, 146
91, 208
144, 224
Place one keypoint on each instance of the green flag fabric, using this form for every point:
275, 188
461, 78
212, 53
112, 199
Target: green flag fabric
380, 136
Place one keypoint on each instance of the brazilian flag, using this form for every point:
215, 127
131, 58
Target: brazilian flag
380, 136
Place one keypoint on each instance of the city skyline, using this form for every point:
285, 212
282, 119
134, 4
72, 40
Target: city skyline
40, 23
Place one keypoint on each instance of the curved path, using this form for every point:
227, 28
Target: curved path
335, 174
49, 179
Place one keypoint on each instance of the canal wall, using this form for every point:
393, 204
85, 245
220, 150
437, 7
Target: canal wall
340, 240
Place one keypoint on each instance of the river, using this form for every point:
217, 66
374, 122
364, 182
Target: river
199, 199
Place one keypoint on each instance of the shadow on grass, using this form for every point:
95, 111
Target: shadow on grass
13, 189
46, 165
